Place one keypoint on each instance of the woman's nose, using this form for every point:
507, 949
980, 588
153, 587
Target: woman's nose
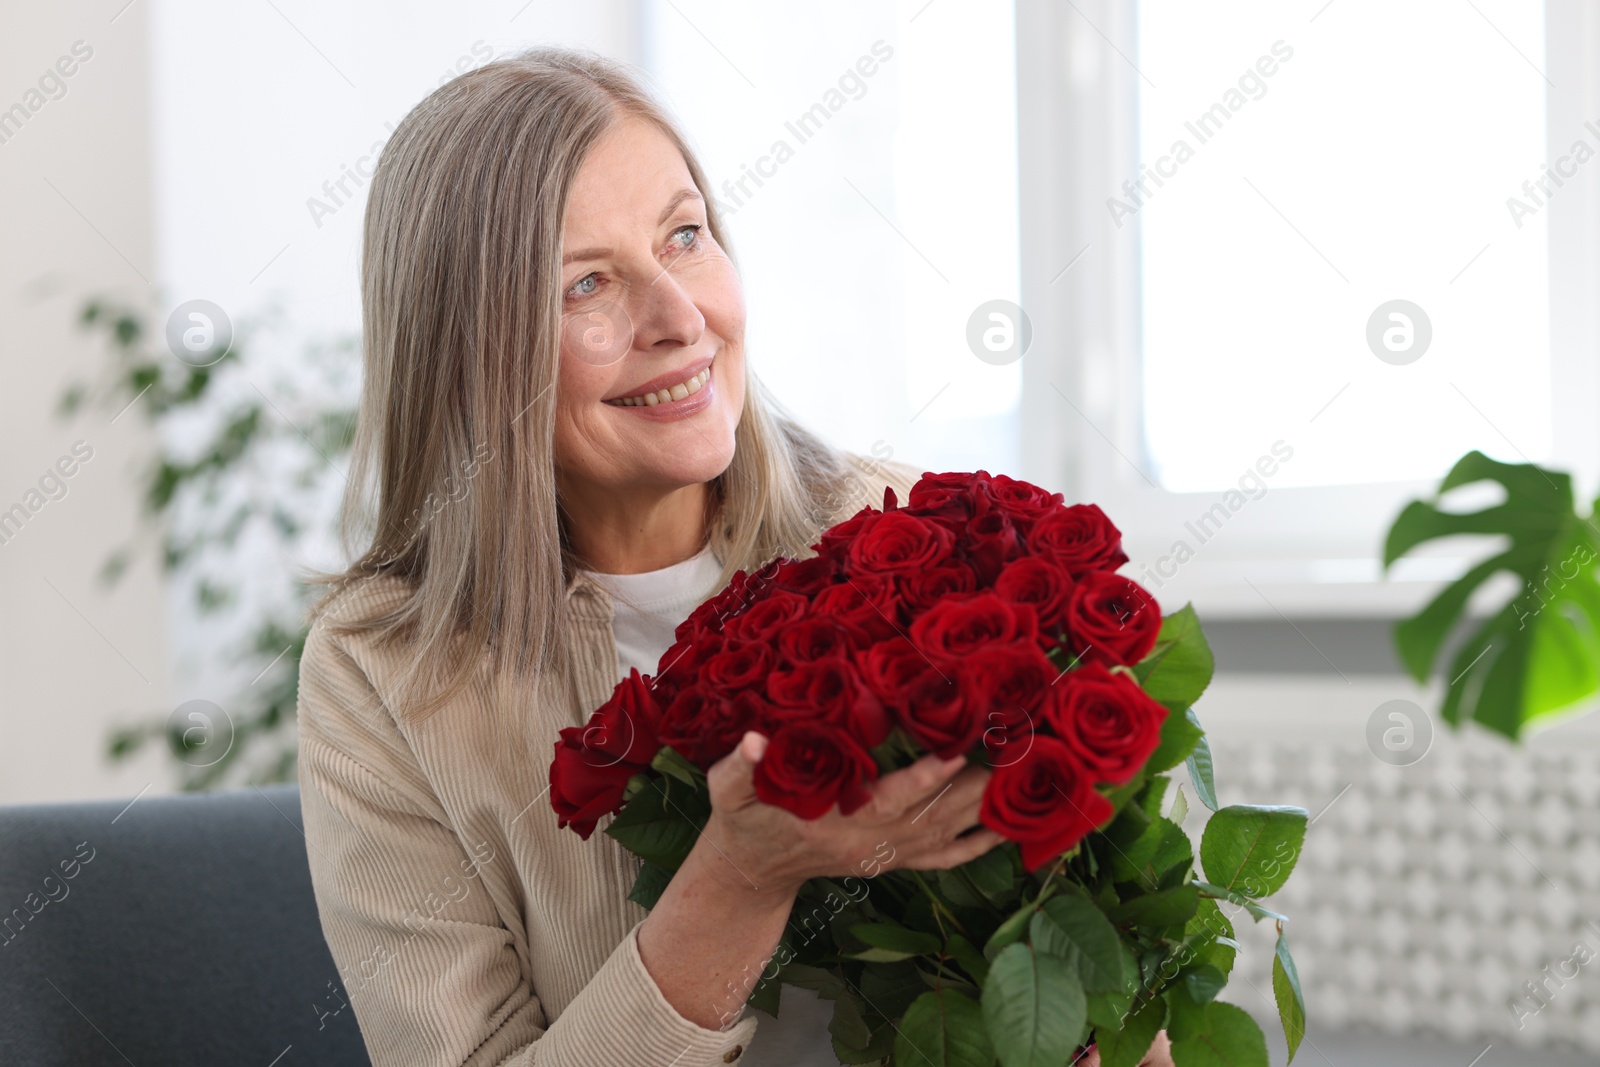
665, 314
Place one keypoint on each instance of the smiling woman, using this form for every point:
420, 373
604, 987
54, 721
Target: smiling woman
546, 283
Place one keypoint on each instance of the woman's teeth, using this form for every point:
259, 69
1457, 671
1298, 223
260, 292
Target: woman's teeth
666, 396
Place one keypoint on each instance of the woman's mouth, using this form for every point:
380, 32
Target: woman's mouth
668, 396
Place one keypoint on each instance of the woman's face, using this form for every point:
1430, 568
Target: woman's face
650, 303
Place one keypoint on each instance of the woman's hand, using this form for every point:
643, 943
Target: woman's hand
915, 819
1160, 1054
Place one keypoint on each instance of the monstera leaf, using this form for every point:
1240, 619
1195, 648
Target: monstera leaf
1539, 653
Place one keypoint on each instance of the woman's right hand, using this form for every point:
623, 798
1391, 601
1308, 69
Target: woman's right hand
916, 819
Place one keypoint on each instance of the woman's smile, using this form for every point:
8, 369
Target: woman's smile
670, 390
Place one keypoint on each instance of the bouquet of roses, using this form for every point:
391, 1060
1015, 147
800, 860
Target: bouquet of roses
985, 618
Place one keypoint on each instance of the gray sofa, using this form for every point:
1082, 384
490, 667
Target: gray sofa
175, 930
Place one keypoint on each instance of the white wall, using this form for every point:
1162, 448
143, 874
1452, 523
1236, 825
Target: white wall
75, 179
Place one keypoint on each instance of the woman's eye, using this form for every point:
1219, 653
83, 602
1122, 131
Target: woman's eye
584, 286
684, 237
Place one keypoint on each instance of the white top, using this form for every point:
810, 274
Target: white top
647, 610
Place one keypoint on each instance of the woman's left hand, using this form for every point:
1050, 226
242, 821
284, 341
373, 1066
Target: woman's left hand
1160, 1054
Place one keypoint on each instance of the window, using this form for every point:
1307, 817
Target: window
1293, 265
872, 199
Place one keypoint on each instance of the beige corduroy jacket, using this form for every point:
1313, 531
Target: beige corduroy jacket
468, 929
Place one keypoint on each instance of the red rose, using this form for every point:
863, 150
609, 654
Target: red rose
1024, 502
623, 729
897, 542
762, 620
816, 637
704, 726
808, 577
1045, 801
991, 541
1004, 685
891, 667
1044, 584
954, 628
829, 690
864, 602
836, 540
810, 766
934, 714
1080, 538
679, 664
923, 589
950, 497
736, 667
742, 588
1112, 619
585, 785
1107, 719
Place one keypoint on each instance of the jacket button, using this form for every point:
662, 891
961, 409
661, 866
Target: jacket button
732, 1054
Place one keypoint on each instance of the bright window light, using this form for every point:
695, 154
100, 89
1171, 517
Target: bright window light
1292, 264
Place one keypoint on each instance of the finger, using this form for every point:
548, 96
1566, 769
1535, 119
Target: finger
1090, 1058
961, 850
954, 808
732, 777
899, 790
966, 791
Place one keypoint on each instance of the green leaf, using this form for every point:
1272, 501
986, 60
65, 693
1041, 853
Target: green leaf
1286, 990
1161, 846
1540, 653
945, 1029
993, 875
1210, 934
668, 761
1233, 896
1200, 769
891, 943
1034, 1006
827, 984
1220, 1036
1169, 907
889, 988
1180, 666
848, 1027
766, 995
1126, 1047
1251, 849
1012, 929
1204, 982
1180, 806
660, 822
649, 884
1077, 931
1180, 733
967, 955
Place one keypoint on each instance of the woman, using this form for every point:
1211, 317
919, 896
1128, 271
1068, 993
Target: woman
569, 454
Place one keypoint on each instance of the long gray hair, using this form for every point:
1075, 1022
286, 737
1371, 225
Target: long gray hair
461, 306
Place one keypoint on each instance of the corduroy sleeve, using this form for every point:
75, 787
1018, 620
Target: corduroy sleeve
432, 973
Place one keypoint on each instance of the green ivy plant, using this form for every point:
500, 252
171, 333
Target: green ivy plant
241, 471
1538, 654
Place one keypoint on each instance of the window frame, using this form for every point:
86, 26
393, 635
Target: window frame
1312, 551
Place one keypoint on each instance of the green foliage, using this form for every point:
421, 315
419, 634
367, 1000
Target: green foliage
1034, 1006
1217, 1035
1539, 653
1251, 849
1126, 1047
230, 474
660, 823
1286, 990
945, 1029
